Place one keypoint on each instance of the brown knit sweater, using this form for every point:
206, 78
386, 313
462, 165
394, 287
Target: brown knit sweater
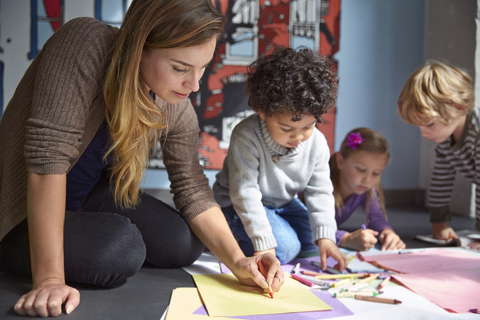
56, 110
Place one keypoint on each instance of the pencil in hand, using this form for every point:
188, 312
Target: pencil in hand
261, 267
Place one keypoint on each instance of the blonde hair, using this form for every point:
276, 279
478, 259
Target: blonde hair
373, 141
134, 120
431, 93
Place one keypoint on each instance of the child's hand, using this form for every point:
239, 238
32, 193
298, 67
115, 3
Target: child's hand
272, 251
328, 248
440, 230
475, 245
360, 240
390, 240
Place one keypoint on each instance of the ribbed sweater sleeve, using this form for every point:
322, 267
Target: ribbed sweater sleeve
189, 185
68, 80
319, 194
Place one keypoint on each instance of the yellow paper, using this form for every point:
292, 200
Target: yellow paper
224, 296
184, 302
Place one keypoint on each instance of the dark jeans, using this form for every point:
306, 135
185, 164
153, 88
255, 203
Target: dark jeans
104, 244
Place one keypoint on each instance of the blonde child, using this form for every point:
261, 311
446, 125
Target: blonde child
439, 99
278, 152
355, 172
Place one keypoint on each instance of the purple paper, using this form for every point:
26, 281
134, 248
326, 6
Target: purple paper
305, 265
339, 310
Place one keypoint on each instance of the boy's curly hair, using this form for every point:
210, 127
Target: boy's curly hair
292, 82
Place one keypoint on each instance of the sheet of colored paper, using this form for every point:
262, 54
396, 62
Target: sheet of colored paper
413, 307
452, 290
224, 296
339, 310
435, 260
183, 303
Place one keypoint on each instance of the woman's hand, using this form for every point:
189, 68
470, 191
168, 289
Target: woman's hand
47, 299
440, 230
328, 248
390, 240
360, 240
247, 272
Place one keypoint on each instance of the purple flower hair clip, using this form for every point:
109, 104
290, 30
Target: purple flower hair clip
354, 140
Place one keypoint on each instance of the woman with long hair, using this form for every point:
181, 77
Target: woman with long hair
75, 141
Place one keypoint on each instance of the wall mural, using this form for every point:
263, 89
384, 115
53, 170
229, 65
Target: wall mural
254, 28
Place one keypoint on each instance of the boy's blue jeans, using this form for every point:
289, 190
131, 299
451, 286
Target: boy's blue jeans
290, 226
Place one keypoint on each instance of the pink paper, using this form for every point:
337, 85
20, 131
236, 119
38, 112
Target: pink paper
456, 291
427, 261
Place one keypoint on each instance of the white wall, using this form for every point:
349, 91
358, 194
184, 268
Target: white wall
450, 36
15, 37
381, 43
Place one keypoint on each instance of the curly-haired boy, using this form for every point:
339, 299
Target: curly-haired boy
278, 152
439, 99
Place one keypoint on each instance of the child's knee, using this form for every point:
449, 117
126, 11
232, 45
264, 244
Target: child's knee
288, 251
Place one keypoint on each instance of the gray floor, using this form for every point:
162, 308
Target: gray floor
146, 295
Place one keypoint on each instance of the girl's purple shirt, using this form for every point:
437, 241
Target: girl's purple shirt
375, 218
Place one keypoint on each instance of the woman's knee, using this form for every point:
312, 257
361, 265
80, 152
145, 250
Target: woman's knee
180, 250
107, 256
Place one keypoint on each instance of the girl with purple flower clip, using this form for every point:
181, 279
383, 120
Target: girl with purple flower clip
355, 172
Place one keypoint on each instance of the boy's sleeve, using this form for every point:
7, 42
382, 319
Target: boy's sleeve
243, 164
440, 190
319, 197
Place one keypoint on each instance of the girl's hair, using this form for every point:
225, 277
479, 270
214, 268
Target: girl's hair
292, 82
133, 118
373, 141
431, 92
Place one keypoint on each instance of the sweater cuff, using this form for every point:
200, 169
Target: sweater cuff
264, 243
440, 214
324, 232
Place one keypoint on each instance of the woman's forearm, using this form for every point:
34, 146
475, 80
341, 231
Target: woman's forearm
213, 230
46, 195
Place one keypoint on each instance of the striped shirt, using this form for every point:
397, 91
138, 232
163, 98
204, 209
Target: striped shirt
462, 157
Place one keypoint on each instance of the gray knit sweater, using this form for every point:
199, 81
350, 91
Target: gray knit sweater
58, 107
258, 171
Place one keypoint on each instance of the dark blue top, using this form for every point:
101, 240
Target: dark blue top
87, 171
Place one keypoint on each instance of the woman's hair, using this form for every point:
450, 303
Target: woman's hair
431, 92
292, 82
134, 119
373, 141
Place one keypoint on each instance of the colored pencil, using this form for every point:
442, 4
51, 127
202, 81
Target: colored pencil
341, 282
302, 280
352, 294
384, 282
368, 279
339, 276
262, 271
359, 256
377, 299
